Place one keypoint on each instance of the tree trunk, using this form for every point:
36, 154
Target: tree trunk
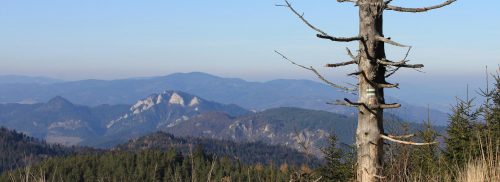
370, 121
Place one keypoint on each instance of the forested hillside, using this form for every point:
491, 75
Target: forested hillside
17, 149
153, 166
163, 157
248, 153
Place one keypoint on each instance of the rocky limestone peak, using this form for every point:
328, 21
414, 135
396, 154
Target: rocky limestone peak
194, 102
142, 105
176, 99
159, 99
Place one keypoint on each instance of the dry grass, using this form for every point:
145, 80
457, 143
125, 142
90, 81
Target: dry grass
480, 171
486, 169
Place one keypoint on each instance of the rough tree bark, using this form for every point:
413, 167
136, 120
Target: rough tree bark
370, 122
372, 73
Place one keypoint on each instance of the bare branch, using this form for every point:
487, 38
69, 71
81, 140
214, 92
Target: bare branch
389, 41
418, 10
353, 103
392, 72
385, 106
339, 39
399, 64
405, 142
354, 85
344, 89
387, 85
343, 1
355, 73
378, 85
301, 16
341, 64
401, 136
350, 54
345, 102
321, 34
387, 2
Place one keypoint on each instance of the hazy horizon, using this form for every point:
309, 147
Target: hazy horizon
122, 39
439, 94
118, 39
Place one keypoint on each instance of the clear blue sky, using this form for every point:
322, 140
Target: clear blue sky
109, 39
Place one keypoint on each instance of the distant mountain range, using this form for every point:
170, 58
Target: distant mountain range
182, 114
256, 96
18, 79
60, 121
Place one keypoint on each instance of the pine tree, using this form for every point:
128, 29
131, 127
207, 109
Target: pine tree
490, 133
460, 143
339, 164
425, 158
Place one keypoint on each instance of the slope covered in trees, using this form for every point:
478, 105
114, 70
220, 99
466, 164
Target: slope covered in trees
153, 166
248, 153
163, 157
17, 149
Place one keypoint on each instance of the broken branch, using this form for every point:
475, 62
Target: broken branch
392, 72
389, 41
385, 106
344, 89
343, 1
379, 85
350, 54
418, 10
352, 103
399, 64
355, 73
321, 34
301, 16
387, 2
339, 39
405, 142
341, 64
341, 103
401, 136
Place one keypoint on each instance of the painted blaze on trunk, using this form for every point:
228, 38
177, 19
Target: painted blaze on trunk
373, 69
370, 122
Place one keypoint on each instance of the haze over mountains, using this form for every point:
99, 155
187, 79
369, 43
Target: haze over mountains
98, 113
182, 114
250, 95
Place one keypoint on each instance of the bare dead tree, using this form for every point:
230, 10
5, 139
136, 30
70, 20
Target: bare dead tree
373, 69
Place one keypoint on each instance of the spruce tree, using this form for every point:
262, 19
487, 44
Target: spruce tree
425, 158
339, 163
491, 111
460, 143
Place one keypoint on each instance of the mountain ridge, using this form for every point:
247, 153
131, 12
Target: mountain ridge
250, 95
